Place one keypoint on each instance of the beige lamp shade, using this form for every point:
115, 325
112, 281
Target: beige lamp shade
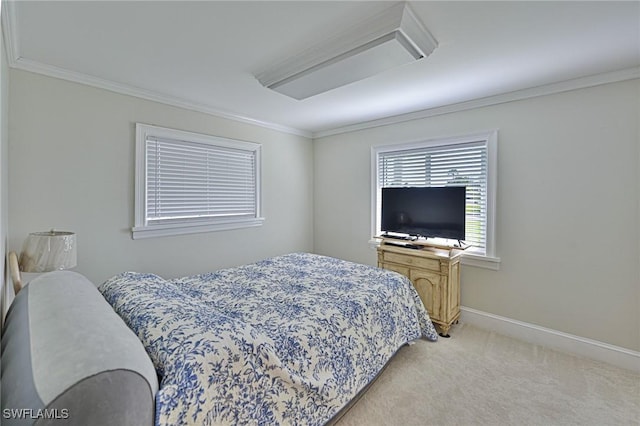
48, 251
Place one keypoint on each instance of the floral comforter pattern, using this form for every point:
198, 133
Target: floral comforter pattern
287, 340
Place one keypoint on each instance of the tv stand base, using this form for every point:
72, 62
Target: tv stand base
434, 271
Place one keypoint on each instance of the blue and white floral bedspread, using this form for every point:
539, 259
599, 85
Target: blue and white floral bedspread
288, 340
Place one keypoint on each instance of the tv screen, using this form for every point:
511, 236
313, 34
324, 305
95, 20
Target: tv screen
424, 211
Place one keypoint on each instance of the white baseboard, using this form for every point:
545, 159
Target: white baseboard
615, 355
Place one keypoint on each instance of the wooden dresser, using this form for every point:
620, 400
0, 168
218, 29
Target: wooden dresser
434, 272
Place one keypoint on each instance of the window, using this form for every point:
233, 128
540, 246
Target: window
464, 161
188, 183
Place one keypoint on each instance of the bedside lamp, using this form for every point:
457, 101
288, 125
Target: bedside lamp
43, 252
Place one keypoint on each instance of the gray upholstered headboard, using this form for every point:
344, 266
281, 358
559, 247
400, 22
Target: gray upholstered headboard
68, 358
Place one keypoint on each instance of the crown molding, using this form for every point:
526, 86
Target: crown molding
9, 31
548, 89
16, 61
150, 95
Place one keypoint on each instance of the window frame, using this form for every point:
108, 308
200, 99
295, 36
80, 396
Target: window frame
471, 256
143, 229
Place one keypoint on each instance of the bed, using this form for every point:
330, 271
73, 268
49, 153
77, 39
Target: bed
287, 340
290, 339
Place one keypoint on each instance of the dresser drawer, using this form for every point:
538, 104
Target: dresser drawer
403, 270
418, 262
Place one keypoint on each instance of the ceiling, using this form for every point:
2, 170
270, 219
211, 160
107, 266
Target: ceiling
204, 54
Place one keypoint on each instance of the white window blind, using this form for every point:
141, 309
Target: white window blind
188, 182
460, 164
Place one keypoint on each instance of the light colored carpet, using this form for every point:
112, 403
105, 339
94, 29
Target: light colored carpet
478, 377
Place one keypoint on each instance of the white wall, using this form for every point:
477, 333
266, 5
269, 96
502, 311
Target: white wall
568, 195
72, 168
567, 207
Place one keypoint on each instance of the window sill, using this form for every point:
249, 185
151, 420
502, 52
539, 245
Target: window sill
140, 232
468, 259
481, 261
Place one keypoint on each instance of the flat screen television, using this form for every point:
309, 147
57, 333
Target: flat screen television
424, 211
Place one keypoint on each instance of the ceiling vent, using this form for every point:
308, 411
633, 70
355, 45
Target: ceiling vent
394, 37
